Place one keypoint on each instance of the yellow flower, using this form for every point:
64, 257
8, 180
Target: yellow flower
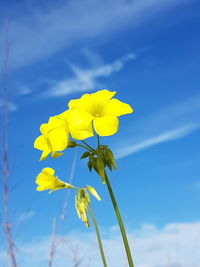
46, 180
54, 138
76, 132
98, 108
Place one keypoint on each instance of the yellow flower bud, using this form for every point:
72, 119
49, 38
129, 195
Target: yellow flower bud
82, 200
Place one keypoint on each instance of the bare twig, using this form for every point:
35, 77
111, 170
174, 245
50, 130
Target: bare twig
75, 259
71, 177
62, 217
7, 226
53, 243
73, 252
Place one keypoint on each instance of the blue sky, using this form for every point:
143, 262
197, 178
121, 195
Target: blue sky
148, 51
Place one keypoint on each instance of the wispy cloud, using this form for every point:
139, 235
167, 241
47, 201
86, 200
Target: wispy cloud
40, 32
165, 125
11, 106
163, 137
24, 217
24, 90
87, 79
174, 244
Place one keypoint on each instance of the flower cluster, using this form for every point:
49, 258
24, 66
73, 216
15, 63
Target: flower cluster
97, 110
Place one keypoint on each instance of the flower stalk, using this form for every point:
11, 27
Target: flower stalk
92, 149
120, 222
119, 219
98, 236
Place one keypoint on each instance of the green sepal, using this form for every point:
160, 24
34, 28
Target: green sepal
99, 159
109, 165
85, 155
71, 144
100, 169
93, 162
111, 159
89, 164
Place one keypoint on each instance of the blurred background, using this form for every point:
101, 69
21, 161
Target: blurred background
147, 51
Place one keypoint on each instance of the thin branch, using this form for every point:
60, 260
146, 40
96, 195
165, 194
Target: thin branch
71, 177
53, 244
7, 226
62, 217
74, 256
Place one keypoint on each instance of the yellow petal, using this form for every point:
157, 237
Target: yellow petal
93, 192
56, 122
79, 119
63, 115
40, 188
41, 143
99, 101
102, 95
106, 125
117, 108
43, 181
48, 170
81, 134
92, 103
84, 101
45, 154
58, 138
44, 129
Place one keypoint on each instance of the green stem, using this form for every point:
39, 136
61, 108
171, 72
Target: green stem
98, 237
98, 140
85, 147
121, 226
88, 146
74, 187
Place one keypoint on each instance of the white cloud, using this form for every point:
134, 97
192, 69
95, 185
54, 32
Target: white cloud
11, 106
161, 138
173, 245
24, 90
41, 32
171, 123
25, 217
86, 79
